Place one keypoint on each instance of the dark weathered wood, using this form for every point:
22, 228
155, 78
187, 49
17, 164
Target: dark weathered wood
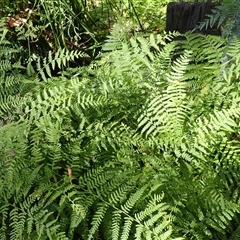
184, 16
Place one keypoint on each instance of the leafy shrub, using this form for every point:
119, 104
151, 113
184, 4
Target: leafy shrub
141, 144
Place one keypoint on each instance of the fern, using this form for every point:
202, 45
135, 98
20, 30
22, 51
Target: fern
142, 144
60, 60
12, 88
223, 16
140, 222
162, 106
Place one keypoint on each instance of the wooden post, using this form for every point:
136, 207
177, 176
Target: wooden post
184, 16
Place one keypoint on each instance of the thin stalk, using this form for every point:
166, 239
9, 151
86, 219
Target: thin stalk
135, 12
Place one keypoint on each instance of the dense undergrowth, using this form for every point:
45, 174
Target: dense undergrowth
140, 143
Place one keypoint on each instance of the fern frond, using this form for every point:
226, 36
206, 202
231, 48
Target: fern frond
171, 101
223, 16
60, 59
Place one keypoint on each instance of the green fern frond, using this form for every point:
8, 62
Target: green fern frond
223, 16
60, 59
170, 101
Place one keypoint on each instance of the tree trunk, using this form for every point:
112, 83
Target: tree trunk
184, 16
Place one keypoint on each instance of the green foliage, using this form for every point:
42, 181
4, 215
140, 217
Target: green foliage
59, 60
141, 144
223, 16
41, 25
12, 87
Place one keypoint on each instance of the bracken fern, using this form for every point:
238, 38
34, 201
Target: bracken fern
142, 144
